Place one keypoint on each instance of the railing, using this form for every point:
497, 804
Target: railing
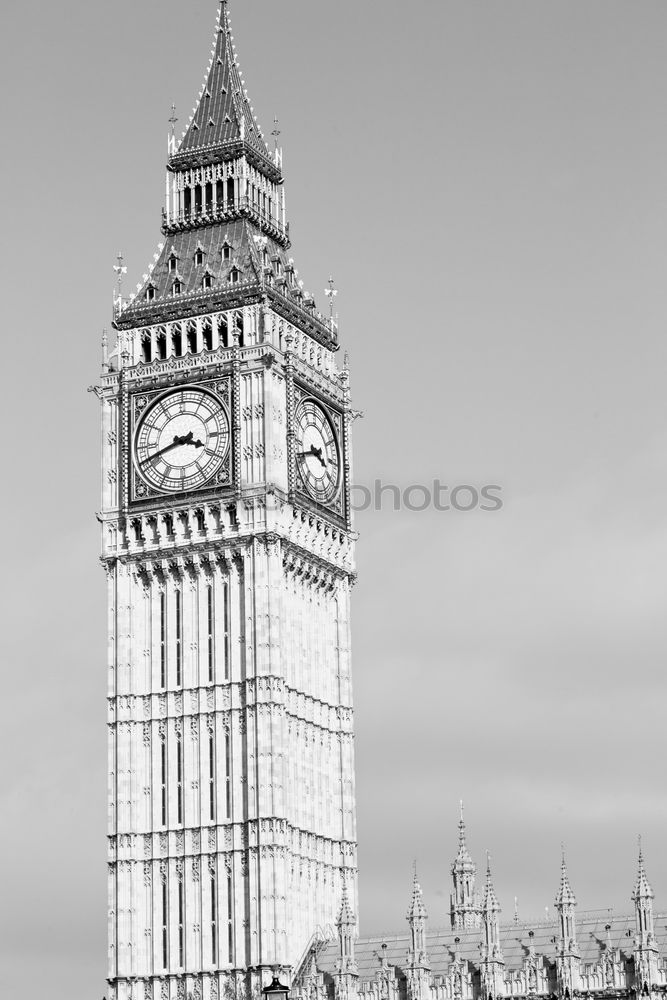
210, 212
319, 940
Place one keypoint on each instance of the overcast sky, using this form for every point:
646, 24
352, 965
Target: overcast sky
487, 183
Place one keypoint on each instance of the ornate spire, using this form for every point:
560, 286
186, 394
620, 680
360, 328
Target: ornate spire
346, 924
417, 917
223, 115
642, 888
565, 895
464, 908
492, 956
645, 951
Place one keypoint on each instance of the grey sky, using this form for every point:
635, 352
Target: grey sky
487, 183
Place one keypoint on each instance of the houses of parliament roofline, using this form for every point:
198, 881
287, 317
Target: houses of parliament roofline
593, 953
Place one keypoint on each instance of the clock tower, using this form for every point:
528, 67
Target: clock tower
228, 550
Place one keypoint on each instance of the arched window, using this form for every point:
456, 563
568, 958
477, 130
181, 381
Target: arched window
207, 335
146, 348
192, 339
162, 346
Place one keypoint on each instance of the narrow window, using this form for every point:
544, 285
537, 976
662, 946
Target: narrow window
165, 932
173, 263
199, 258
163, 639
192, 340
177, 341
177, 287
211, 777
225, 612
150, 293
234, 275
179, 639
207, 280
207, 334
219, 194
226, 252
211, 633
197, 199
223, 329
187, 202
214, 919
209, 197
162, 346
146, 349
181, 925
228, 775
179, 775
230, 918
230, 193
163, 779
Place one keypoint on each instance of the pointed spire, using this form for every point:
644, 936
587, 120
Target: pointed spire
223, 114
417, 909
565, 895
490, 904
345, 915
642, 888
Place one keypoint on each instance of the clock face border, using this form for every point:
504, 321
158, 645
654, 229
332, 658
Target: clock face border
337, 505
141, 401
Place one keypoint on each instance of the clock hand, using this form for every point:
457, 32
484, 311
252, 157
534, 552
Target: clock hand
176, 443
317, 452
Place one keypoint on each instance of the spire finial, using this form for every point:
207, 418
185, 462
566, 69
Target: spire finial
120, 270
331, 292
516, 909
173, 120
276, 131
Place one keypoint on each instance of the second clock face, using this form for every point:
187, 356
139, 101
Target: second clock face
182, 440
318, 459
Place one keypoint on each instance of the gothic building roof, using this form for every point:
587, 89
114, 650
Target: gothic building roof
515, 941
223, 115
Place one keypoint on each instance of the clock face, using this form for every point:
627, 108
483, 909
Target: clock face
317, 456
181, 441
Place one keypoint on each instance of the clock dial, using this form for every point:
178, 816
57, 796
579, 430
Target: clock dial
318, 456
181, 441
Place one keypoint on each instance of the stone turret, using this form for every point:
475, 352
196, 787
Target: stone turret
418, 965
645, 950
465, 910
346, 968
492, 965
568, 959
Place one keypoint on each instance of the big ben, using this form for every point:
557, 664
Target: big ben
229, 554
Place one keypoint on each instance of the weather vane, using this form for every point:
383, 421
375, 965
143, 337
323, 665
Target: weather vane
120, 270
331, 294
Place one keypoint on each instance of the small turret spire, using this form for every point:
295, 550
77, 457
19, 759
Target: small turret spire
417, 917
492, 956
